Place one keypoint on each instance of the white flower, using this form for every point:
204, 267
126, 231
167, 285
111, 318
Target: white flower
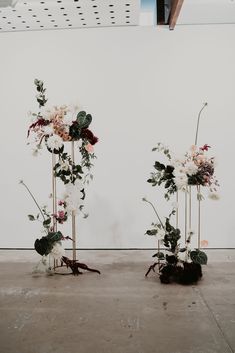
69, 118
45, 113
213, 196
57, 251
73, 196
181, 181
191, 168
161, 233
33, 117
54, 142
179, 170
41, 266
64, 165
176, 162
48, 130
181, 256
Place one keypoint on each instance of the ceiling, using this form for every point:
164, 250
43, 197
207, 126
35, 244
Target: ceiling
55, 14
29, 15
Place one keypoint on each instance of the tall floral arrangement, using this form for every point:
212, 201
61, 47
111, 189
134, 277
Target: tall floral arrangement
196, 168
51, 128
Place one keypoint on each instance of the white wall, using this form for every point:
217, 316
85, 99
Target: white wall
142, 85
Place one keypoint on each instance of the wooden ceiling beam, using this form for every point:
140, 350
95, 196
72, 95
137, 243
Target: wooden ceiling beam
175, 11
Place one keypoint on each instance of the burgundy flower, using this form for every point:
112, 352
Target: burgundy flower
87, 134
39, 122
205, 147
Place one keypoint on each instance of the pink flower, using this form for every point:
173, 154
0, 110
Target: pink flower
61, 214
193, 148
61, 203
204, 243
89, 148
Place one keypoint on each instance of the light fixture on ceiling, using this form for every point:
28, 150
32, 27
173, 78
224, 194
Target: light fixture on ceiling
8, 3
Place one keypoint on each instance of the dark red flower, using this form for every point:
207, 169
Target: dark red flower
39, 122
88, 134
205, 147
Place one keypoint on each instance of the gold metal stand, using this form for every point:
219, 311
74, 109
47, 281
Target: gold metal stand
73, 213
54, 199
188, 222
199, 219
185, 215
177, 209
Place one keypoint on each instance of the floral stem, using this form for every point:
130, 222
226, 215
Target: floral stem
155, 212
21, 182
198, 121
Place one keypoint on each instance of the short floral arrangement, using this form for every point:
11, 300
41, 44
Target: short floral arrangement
181, 264
53, 128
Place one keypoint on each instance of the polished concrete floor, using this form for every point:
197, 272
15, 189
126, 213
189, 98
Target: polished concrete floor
119, 311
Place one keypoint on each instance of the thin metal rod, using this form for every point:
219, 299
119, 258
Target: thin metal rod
158, 250
186, 215
177, 209
198, 122
54, 203
199, 219
190, 209
73, 213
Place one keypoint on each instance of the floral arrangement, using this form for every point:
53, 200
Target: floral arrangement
196, 168
181, 265
58, 125
52, 128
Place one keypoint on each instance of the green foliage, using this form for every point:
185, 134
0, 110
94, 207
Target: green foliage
55, 151
151, 232
198, 257
31, 217
159, 166
84, 120
44, 245
196, 179
68, 175
172, 236
75, 131
41, 98
164, 175
159, 255
47, 223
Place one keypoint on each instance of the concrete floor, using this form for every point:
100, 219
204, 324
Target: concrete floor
119, 311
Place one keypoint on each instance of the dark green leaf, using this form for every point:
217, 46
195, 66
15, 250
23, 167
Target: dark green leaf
159, 166
183, 250
151, 232
31, 217
159, 255
84, 120
46, 222
198, 257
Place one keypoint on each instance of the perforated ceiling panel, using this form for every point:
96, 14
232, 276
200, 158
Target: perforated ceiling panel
54, 14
